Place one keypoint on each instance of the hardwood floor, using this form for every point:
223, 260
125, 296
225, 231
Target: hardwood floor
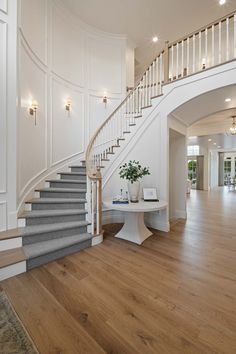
174, 294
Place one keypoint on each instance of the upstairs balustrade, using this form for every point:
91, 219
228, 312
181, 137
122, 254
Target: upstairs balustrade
212, 45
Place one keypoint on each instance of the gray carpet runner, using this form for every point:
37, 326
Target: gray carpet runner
56, 226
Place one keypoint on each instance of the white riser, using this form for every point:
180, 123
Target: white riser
10, 244
12, 270
21, 222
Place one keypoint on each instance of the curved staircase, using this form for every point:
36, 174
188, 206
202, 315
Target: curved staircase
66, 215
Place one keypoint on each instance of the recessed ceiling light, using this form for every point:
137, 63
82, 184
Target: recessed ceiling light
209, 139
214, 143
155, 39
228, 99
222, 2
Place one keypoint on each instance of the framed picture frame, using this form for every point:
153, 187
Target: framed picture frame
150, 195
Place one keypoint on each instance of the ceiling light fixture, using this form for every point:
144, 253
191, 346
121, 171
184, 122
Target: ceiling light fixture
222, 2
214, 143
232, 129
209, 139
228, 99
155, 39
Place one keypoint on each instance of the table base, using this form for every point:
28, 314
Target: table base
134, 229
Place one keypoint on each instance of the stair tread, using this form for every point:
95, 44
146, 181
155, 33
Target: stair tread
56, 200
12, 256
12, 233
39, 229
45, 247
78, 166
50, 189
72, 173
45, 213
75, 181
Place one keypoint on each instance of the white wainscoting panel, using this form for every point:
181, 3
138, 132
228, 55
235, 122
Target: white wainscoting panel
105, 65
32, 139
3, 88
3, 6
33, 26
67, 127
67, 49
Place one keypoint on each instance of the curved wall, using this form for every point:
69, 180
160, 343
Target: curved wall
60, 58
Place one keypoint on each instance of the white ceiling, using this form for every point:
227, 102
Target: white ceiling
207, 105
140, 20
220, 142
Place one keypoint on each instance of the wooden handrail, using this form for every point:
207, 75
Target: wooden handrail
202, 29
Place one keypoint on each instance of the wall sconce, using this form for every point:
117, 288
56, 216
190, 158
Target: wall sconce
33, 109
68, 105
104, 98
203, 63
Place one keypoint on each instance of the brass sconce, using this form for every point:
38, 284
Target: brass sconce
203, 63
104, 99
68, 105
33, 109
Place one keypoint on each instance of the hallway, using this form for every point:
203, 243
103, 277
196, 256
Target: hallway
174, 294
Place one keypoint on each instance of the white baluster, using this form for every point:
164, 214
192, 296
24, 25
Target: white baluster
200, 50
177, 60
161, 73
206, 43
92, 208
172, 62
188, 71
194, 50
182, 58
153, 77
213, 44
227, 39
234, 45
97, 207
157, 76
220, 25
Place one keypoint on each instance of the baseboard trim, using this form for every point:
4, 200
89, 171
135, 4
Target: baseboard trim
12, 270
96, 240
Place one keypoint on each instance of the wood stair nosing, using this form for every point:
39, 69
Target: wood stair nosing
12, 256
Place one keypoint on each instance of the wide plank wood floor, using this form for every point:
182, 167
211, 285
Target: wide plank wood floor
175, 294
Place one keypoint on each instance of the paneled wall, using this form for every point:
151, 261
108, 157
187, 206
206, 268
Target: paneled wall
60, 58
7, 113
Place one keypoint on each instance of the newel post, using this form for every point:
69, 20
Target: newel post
99, 202
166, 62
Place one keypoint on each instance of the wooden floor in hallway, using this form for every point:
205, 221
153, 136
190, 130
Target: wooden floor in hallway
175, 294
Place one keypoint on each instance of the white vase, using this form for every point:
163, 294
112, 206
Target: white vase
134, 189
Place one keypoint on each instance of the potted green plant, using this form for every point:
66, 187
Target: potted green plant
133, 172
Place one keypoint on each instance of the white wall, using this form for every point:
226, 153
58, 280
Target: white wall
214, 169
8, 18
177, 175
59, 58
130, 65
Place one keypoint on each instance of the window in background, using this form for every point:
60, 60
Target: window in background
192, 172
227, 170
193, 150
